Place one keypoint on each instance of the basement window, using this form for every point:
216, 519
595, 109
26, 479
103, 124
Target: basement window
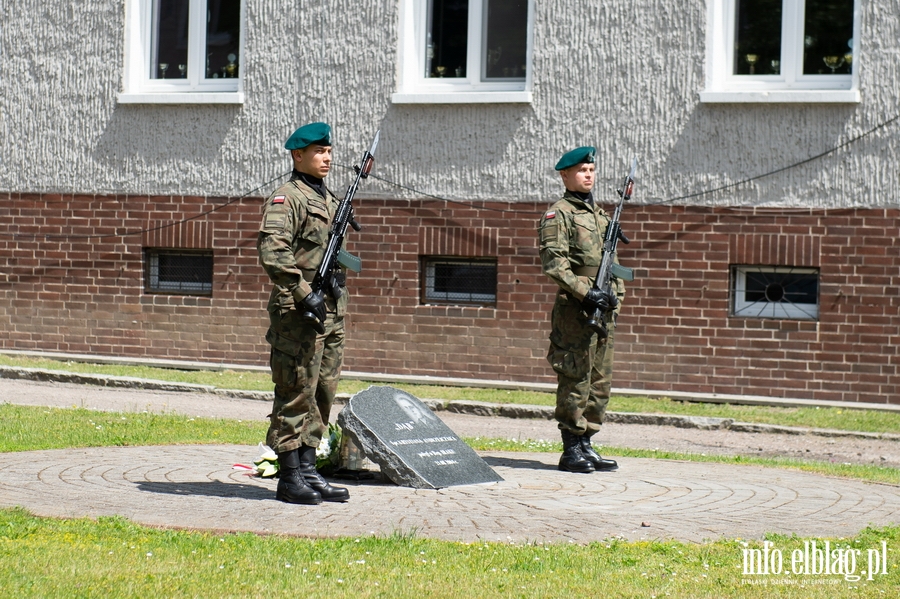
178, 272
775, 292
459, 281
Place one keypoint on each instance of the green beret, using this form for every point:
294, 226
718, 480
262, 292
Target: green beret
307, 135
576, 156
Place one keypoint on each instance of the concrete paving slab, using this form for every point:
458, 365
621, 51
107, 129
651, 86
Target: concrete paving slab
196, 487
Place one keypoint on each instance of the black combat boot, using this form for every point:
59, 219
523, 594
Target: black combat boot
314, 479
572, 459
600, 464
292, 487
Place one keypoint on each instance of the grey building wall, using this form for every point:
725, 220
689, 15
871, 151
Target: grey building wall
621, 75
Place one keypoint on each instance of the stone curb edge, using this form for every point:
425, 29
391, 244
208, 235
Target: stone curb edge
125, 382
473, 408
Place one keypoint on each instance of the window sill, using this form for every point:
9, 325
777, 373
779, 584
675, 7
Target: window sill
182, 98
468, 97
461, 311
785, 96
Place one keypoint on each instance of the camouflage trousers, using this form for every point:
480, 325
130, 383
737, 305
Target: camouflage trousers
305, 369
583, 364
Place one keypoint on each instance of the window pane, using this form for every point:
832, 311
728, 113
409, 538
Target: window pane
827, 43
176, 272
776, 292
465, 279
506, 39
460, 282
445, 46
168, 56
757, 38
781, 287
223, 38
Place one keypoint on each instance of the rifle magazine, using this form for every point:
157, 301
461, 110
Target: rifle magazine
622, 272
349, 261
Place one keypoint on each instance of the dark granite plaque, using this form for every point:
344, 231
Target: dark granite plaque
413, 447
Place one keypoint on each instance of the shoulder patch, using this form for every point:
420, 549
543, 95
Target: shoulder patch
549, 228
278, 200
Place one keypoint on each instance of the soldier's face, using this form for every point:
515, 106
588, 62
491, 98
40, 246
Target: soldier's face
579, 178
313, 160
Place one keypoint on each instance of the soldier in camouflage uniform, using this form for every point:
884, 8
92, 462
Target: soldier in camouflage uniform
571, 247
306, 354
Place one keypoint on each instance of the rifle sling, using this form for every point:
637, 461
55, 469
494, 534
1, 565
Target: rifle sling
617, 270
585, 271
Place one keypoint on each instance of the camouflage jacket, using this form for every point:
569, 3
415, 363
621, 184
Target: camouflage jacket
571, 245
292, 240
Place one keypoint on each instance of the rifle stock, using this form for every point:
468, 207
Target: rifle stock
608, 268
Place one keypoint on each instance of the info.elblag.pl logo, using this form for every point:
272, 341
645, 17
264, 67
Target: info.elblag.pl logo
817, 558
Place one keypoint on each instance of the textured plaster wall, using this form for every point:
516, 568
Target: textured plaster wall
64, 131
621, 75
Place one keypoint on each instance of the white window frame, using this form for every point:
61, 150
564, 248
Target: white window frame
139, 88
791, 85
415, 88
766, 309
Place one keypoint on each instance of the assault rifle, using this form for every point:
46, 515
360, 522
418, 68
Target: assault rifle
608, 267
325, 279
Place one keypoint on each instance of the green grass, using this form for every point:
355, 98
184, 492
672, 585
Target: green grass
247, 380
834, 418
111, 557
25, 428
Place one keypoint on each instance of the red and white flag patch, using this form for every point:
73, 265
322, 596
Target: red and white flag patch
278, 200
549, 215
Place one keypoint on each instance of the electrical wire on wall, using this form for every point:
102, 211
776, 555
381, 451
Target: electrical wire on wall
469, 204
782, 169
48, 236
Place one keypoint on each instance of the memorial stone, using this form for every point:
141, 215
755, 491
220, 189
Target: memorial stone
413, 447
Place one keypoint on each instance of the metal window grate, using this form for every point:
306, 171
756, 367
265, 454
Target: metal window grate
776, 292
459, 281
179, 272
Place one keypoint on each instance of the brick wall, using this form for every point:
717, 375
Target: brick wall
71, 277
71, 280
404, 336
678, 332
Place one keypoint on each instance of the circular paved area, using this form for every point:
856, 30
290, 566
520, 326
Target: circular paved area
196, 487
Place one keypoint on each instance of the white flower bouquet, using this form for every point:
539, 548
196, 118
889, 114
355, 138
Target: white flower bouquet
267, 462
328, 455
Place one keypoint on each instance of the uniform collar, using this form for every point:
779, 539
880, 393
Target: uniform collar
577, 199
314, 183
